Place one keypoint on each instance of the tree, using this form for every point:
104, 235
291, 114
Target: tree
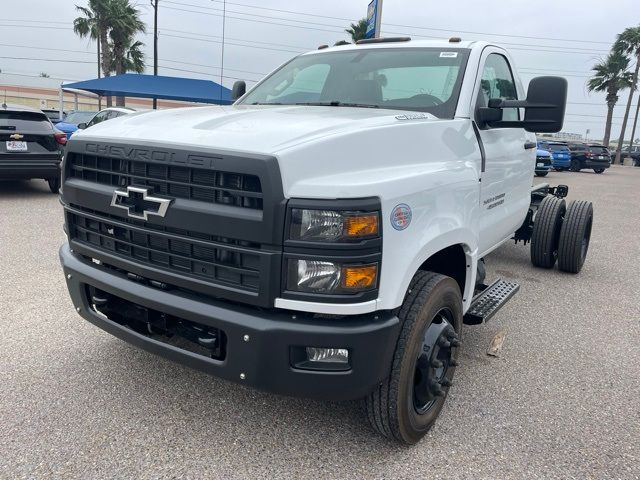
635, 124
95, 25
628, 43
610, 76
358, 30
127, 54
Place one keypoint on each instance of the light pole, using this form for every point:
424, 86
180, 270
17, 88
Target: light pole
154, 4
224, 18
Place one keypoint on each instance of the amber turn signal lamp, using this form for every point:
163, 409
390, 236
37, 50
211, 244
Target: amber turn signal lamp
364, 225
361, 277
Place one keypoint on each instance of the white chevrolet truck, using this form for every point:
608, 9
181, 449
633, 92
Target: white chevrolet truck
325, 235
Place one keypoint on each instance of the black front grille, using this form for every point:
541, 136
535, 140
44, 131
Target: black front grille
201, 184
545, 160
219, 262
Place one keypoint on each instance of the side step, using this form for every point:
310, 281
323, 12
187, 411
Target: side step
485, 304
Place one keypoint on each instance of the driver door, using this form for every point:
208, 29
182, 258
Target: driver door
507, 173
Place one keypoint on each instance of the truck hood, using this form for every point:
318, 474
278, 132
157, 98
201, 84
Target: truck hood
253, 129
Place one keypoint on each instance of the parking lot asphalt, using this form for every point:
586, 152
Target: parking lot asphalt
561, 400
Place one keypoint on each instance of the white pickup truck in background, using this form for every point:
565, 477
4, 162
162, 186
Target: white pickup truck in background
323, 236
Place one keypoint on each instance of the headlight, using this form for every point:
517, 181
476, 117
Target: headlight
332, 226
315, 276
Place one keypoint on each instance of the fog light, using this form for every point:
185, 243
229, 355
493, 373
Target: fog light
328, 355
321, 359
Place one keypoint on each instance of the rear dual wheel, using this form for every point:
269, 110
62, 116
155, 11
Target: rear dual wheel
406, 404
561, 234
575, 236
546, 231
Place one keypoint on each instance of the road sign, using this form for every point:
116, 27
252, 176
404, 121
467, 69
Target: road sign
374, 17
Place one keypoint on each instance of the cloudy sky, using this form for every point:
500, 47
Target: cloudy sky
559, 37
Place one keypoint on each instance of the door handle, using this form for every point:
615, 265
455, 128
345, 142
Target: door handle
529, 145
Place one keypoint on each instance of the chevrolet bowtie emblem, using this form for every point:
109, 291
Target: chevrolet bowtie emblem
16, 136
139, 202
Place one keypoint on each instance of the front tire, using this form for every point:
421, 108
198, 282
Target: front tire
54, 184
541, 174
407, 403
598, 170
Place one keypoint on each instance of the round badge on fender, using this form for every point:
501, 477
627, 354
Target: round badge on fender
401, 216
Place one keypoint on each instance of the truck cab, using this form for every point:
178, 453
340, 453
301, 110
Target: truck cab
322, 236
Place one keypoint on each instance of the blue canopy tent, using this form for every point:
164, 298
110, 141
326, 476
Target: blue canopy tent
156, 86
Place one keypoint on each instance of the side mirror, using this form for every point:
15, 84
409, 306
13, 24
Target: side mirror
544, 107
547, 97
82, 126
238, 90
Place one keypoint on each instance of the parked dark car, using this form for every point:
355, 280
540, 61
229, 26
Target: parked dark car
591, 155
53, 114
561, 156
633, 152
30, 146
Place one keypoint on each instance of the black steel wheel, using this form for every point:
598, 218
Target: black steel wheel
434, 359
546, 231
575, 236
407, 403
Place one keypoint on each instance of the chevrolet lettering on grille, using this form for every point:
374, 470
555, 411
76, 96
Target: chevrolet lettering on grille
139, 202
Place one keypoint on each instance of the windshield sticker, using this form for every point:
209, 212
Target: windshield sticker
448, 54
401, 216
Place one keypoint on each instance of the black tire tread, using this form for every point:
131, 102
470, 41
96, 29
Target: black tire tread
570, 247
543, 235
54, 185
381, 404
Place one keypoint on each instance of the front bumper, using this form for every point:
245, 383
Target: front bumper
264, 361
30, 168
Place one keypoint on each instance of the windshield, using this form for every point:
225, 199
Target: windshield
421, 79
79, 117
21, 120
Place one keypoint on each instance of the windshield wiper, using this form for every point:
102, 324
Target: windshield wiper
336, 103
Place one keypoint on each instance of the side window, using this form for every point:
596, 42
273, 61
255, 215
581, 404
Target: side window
100, 117
497, 82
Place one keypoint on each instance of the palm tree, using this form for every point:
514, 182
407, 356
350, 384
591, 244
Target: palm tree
127, 54
628, 43
95, 25
358, 30
635, 124
610, 76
